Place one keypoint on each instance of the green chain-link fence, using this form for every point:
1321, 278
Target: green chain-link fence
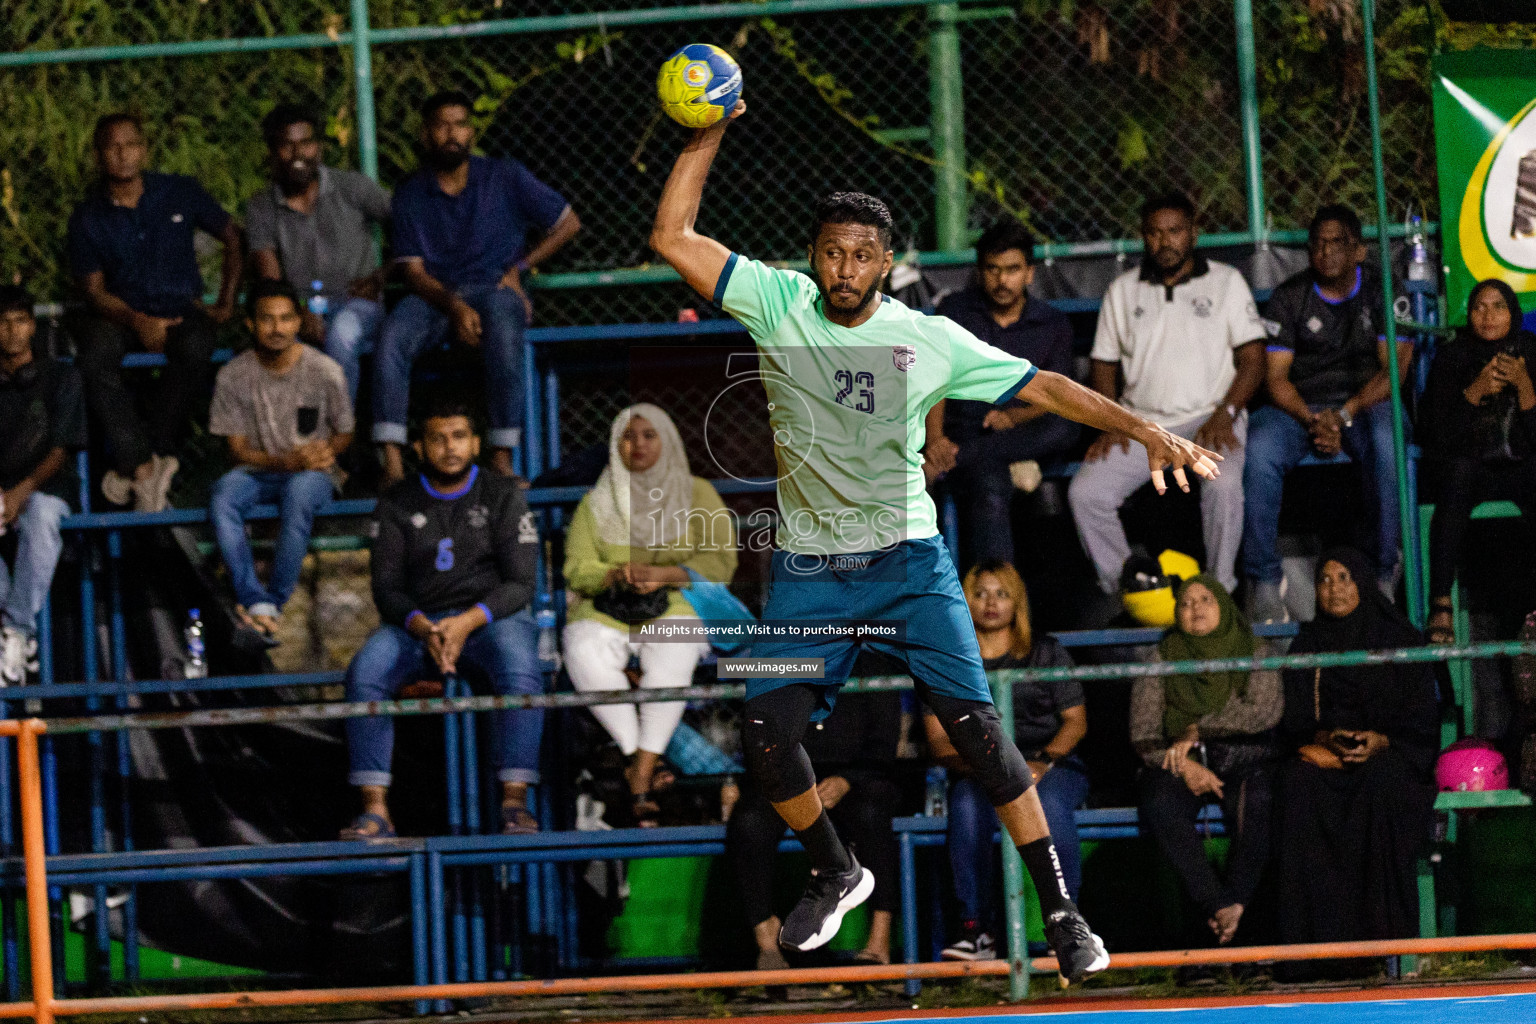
1071, 110
1312, 91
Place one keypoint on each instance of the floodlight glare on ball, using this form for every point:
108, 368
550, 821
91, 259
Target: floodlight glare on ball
699, 85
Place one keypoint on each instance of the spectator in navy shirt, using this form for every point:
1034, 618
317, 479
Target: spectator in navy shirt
1328, 392
42, 421
462, 225
130, 246
454, 566
975, 443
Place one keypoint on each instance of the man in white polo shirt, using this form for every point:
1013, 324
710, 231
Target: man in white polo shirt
1184, 334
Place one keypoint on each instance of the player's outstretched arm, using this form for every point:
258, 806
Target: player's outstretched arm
1067, 398
698, 259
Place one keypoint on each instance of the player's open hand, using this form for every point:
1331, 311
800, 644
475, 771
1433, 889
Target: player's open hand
1167, 451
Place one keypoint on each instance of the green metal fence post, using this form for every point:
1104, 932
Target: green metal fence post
362, 77
946, 118
1013, 864
1248, 92
1399, 442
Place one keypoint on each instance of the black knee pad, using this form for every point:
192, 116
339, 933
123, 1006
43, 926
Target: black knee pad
977, 733
775, 759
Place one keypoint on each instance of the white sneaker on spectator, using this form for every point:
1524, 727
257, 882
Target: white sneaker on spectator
150, 494
1266, 602
18, 656
116, 488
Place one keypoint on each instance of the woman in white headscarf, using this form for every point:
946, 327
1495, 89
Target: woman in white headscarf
631, 544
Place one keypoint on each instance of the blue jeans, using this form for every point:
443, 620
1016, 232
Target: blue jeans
972, 822
298, 496
505, 651
24, 587
1277, 441
416, 326
351, 330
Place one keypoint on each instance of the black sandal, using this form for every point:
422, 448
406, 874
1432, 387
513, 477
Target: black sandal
368, 826
518, 820
646, 811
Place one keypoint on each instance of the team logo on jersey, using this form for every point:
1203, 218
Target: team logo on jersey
1202, 305
904, 356
1314, 325
1137, 312
419, 520
527, 532
478, 516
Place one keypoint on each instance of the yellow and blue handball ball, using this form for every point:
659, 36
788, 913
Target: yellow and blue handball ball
699, 85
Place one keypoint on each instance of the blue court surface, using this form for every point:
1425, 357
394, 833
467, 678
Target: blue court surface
1464, 1004
1488, 1009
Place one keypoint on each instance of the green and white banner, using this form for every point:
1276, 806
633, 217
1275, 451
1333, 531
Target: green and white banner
1485, 143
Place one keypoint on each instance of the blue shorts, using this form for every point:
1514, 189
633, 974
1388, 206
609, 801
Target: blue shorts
912, 583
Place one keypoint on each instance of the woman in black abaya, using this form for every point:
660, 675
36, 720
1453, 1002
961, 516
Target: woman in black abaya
1356, 798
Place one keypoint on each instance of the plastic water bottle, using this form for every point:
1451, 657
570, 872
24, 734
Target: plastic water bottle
935, 802
1421, 272
549, 642
318, 303
196, 664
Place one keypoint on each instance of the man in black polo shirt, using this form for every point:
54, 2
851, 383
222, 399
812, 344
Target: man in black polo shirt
42, 419
1328, 389
975, 443
454, 567
130, 247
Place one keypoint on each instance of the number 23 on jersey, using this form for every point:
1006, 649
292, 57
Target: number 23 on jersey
847, 380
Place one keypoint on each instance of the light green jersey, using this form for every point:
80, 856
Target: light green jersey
846, 406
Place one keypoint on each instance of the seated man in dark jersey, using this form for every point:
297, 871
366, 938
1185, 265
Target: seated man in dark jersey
454, 568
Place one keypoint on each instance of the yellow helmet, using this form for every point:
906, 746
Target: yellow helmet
1147, 586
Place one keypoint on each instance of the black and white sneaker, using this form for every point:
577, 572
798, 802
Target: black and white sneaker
973, 944
819, 914
1079, 952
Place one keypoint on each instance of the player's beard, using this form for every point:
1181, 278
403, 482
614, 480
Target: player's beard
864, 300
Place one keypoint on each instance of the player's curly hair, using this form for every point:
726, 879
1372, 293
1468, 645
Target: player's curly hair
853, 208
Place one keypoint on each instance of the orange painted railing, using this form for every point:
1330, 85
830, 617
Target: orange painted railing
35, 864
735, 979
45, 1008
